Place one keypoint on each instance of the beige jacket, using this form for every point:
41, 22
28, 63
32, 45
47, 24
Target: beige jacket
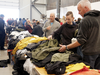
54, 27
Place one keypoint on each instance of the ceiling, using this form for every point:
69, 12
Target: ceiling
9, 4
51, 4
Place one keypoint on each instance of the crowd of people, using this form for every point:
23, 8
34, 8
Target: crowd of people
88, 34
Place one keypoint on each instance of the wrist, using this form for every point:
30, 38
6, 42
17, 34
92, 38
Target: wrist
67, 48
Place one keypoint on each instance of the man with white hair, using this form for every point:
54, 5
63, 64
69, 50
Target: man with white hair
51, 26
88, 36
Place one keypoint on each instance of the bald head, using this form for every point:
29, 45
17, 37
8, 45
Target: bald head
52, 17
83, 7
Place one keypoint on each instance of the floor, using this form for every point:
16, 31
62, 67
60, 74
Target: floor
5, 70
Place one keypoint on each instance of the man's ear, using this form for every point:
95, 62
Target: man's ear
86, 8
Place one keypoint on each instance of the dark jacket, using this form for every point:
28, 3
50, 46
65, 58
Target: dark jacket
28, 27
37, 30
67, 32
89, 33
34, 45
2, 26
12, 43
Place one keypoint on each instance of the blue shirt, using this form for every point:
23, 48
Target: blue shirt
51, 23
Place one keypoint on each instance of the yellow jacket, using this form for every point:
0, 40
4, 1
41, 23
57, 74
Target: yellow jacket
24, 42
75, 67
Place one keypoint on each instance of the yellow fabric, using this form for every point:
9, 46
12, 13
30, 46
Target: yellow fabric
75, 67
24, 42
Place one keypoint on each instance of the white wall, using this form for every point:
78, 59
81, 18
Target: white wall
74, 10
40, 1
64, 10
35, 14
51, 11
24, 9
96, 5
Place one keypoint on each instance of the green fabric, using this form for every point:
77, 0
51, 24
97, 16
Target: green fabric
76, 32
43, 50
63, 57
19, 29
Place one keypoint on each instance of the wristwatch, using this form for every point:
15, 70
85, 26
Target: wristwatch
66, 48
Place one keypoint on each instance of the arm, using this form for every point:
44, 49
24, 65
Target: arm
45, 27
73, 45
70, 46
57, 33
58, 26
81, 36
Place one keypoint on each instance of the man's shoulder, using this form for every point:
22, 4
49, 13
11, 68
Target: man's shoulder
57, 23
1, 20
64, 24
48, 21
87, 19
38, 26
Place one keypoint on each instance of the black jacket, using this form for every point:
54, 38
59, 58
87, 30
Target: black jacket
2, 26
89, 33
67, 32
37, 30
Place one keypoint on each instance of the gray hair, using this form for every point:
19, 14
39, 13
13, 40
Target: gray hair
85, 3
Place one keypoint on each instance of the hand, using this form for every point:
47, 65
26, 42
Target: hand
31, 25
49, 27
50, 37
62, 49
25, 25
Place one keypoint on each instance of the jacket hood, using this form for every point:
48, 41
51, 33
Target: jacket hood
71, 26
92, 13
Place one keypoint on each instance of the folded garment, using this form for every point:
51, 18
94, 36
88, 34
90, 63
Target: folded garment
3, 63
75, 67
85, 71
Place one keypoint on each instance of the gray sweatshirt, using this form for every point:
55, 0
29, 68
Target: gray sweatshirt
89, 33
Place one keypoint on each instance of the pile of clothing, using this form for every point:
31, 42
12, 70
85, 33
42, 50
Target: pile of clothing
29, 49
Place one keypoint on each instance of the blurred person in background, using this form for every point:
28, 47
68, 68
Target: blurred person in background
41, 22
29, 26
78, 21
33, 22
51, 25
59, 21
37, 30
2, 32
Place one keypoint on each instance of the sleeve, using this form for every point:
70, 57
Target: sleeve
58, 26
57, 33
83, 32
45, 27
